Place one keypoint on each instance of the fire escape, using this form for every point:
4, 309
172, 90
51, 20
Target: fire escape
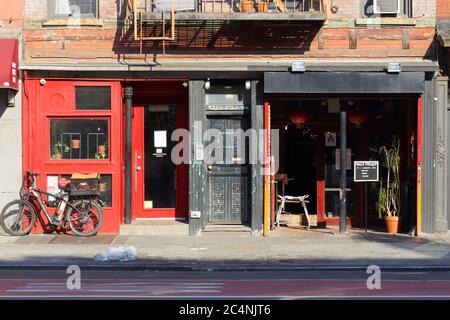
156, 20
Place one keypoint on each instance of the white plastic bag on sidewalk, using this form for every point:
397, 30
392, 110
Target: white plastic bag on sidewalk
118, 254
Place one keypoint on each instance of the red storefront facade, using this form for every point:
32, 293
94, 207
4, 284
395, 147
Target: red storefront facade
47, 104
58, 111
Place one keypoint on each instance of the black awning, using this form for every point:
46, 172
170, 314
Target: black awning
344, 82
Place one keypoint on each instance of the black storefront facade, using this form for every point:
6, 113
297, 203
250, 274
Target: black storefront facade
418, 84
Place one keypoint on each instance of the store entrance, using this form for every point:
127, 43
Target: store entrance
309, 155
300, 165
160, 181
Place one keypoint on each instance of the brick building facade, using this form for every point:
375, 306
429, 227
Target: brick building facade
173, 72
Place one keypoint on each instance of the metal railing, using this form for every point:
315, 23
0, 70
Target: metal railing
227, 6
160, 14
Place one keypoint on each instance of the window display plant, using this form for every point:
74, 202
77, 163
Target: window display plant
58, 149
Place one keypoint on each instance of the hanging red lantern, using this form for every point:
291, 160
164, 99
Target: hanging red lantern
298, 118
357, 118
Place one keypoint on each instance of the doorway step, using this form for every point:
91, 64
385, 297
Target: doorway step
227, 228
156, 227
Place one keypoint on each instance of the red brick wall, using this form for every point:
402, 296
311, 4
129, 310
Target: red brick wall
442, 9
105, 44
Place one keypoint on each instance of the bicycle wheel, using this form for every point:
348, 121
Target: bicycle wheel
18, 218
85, 218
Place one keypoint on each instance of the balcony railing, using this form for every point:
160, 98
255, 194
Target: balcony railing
229, 6
143, 13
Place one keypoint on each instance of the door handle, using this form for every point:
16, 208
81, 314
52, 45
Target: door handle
136, 158
210, 167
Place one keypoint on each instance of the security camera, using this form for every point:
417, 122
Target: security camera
42, 81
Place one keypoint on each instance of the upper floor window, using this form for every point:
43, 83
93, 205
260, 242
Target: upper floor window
387, 8
73, 8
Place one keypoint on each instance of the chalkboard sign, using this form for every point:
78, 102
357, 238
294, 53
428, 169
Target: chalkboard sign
365, 171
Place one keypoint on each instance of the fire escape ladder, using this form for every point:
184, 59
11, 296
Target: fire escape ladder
148, 16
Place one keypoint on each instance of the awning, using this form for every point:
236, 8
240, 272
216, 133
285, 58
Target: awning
9, 64
344, 82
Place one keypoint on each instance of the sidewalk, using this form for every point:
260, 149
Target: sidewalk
288, 248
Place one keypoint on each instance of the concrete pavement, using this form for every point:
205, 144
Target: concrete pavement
288, 248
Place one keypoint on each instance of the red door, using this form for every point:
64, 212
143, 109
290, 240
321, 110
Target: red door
160, 187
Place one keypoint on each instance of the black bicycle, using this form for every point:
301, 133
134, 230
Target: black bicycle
77, 207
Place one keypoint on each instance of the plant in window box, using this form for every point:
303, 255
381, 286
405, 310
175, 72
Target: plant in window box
58, 149
388, 202
101, 151
75, 143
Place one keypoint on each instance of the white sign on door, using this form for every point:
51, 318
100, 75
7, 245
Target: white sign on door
330, 139
160, 138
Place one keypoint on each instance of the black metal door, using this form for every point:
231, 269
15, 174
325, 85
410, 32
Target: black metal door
227, 182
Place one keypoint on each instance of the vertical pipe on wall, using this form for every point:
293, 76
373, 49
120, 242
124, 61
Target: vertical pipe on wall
419, 167
343, 171
266, 168
128, 114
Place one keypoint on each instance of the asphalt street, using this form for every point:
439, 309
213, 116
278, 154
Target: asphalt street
127, 284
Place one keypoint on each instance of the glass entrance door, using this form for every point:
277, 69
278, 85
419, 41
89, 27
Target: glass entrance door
159, 184
332, 178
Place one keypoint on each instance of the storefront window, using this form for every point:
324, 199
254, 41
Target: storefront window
56, 183
79, 139
93, 97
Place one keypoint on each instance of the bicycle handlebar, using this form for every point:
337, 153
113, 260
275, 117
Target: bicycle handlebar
31, 174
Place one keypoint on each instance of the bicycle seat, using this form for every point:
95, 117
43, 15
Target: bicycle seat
94, 175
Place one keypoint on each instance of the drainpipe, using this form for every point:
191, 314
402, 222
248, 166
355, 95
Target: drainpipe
343, 164
128, 113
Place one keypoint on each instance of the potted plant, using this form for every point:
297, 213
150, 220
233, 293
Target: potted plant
263, 6
247, 5
75, 144
388, 202
57, 150
101, 151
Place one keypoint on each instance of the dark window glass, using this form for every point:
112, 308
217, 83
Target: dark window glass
159, 123
73, 8
79, 139
93, 98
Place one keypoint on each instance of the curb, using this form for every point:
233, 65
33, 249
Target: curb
217, 268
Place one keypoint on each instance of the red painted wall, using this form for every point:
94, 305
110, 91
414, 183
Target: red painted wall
56, 99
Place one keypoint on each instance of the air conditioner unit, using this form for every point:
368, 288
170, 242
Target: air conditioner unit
386, 6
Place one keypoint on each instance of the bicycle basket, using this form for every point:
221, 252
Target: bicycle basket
87, 185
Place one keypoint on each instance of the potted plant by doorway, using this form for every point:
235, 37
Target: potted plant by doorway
388, 202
